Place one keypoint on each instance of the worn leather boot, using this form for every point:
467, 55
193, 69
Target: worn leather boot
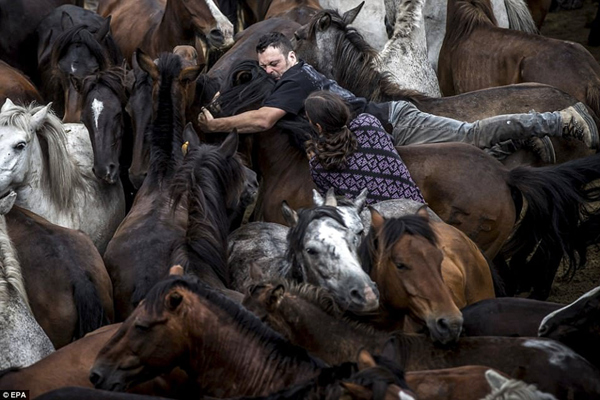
577, 123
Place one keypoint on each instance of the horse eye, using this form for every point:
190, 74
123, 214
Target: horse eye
401, 266
20, 146
142, 327
311, 251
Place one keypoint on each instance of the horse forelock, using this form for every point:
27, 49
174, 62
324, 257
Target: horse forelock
10, 269
111, 78
78, 34
467, 16
248, 323
62, 178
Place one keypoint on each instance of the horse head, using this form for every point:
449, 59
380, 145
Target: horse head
207, 22
402, 257
323, 251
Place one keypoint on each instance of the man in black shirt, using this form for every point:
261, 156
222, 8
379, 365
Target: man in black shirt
408, 125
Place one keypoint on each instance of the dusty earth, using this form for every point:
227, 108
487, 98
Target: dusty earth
571, 25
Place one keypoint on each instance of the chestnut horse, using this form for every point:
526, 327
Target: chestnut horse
156, 26
309, 318
16, 86
476, 54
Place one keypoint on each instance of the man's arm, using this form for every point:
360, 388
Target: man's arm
247, 122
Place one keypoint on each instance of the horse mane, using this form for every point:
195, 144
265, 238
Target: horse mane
78, 34
212, 185
62, 179
10, 269
112, 78
297, 232
386, 372
248, 323
467, 16
393, 229
167, 125
515, 389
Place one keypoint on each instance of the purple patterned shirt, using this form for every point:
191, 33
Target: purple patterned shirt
375, 165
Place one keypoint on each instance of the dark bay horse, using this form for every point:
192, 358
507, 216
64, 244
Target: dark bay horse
156, 26
69, 290
351, 64
16, 86
476, 54
72, 44
486, 212
308, 318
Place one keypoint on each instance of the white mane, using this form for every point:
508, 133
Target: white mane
513, 389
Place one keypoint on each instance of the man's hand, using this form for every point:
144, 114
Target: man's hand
205, 119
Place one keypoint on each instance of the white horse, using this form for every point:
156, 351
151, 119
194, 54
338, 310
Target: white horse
51, 171
22, 340
404, 56
512, 14
512, 389
370, 22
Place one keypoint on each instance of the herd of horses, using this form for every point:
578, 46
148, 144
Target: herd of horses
141, 257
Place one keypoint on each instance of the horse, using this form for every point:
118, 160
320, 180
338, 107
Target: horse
506, 389
506, 316
511, 14
180, 311
576, 325
18, 22
69, 290
156, 26
22, 340
352, 55
72, 44
539, 9
309, 318
320, 248
404, 56
473, 39
14, 85
486, 213
52, 172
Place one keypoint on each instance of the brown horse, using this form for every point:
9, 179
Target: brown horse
300, 11
351, 64
539, 9
476, 54
208, 335
69, 290
16, 86
156, 25
308, 317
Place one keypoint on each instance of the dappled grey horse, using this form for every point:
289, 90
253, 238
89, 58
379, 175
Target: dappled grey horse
22, 340
320, 248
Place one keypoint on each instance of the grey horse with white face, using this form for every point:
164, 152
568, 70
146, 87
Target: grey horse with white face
320, 248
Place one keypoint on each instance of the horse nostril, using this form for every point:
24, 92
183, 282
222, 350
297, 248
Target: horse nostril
442, 324
95, 377
356, 295
543, 330
216, 35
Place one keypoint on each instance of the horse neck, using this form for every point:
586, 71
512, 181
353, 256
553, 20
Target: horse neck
171, 30
257, 366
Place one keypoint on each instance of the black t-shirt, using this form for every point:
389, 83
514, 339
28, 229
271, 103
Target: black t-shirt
301, 80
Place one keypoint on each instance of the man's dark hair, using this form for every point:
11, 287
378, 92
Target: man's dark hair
274, 39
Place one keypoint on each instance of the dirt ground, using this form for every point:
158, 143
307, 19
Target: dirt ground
571, 25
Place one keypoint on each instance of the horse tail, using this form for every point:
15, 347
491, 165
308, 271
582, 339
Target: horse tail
519, 17
87, 302
592, 97
556, 202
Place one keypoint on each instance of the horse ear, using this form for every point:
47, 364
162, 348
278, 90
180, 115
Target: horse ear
330, 199
190, 135
230, 144
174, 300
377, 220
290, 216
318, 200
495, 379
176, 270
189, 74
147, 64
365, 360
66, 21
274, 296
361, 200
422, 212
38, 119
103, 30
324, 22
350, 15
356, 391
8, 104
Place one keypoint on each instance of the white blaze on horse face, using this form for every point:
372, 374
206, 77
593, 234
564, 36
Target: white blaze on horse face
587, 295
557, 352
405, 396
73, 68
97, 107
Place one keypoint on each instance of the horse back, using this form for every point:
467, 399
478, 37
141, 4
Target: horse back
16, 86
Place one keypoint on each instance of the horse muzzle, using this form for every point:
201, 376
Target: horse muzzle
445, 330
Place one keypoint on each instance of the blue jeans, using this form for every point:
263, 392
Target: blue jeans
412, 126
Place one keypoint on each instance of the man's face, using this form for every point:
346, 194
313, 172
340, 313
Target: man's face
275, 62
